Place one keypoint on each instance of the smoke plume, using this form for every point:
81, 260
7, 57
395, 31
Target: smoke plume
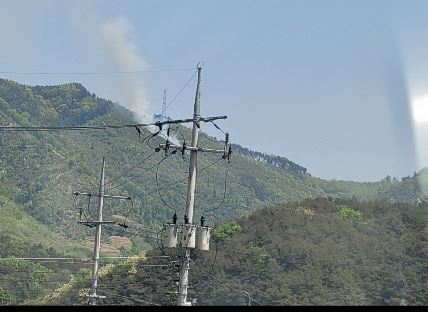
117, 43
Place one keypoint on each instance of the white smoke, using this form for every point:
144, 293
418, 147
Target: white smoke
172, 138
116, 41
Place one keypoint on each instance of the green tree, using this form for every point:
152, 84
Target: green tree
348, 214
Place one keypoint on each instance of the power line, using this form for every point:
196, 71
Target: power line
104, 127
18, 290
224, 194
208, 138
34, 259
77, 128
137, 176
236, 291
182, 180
143, 265
115, 286
157, 186
215, 125
97, 73
146, 231
133, 299
179, 92
78, 259
130, 169
177, 130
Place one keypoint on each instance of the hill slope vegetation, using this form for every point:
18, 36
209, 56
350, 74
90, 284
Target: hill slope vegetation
314, 252
40, 170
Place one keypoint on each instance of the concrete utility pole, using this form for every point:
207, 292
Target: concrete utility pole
190, 201
93, 296
189, 227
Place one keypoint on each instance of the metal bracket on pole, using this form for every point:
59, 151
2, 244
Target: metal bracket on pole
93, 223
191, 148
105, 196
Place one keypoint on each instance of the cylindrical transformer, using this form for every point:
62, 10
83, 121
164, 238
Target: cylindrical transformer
189, 236
170, 235
203, 238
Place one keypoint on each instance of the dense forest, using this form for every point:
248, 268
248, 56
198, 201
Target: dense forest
40, 171
314, 252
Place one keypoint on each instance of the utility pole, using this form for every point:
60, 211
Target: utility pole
190, 201
93, 296
189, 227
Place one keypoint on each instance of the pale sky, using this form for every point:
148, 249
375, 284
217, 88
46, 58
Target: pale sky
336, 86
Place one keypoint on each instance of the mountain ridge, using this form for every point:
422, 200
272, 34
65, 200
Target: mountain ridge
40, 171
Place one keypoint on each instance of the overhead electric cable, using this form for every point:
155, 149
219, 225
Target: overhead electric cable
130, 169
127, 215
104, 127
182, 180
137, 176
98, 73
77, 259
222, 283
224, 194
157, 185
181, 90
208, 138
129, 298
215, 125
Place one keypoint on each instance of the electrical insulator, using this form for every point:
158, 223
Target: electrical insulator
183, 150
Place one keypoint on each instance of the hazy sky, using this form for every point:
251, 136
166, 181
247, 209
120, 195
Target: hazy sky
336, 86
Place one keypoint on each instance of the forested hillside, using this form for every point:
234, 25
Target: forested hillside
40, 171
314, 252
